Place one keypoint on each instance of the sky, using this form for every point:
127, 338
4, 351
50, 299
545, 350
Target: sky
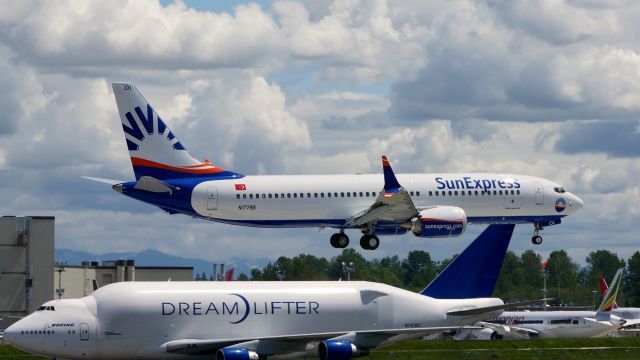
547, 88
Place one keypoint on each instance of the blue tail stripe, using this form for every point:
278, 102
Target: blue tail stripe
474, 273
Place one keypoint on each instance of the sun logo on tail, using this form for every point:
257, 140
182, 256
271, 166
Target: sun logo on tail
152, 129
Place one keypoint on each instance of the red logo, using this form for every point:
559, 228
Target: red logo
241, 187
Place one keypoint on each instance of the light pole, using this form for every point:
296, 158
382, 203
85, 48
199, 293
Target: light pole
59, 267
594, 292
348, 268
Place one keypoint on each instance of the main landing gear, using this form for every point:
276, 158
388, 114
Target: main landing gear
536, 239
339, 240
368, 241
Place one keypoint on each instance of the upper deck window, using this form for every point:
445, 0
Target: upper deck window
559, 190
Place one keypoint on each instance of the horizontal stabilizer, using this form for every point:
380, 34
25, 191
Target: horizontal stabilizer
147, 183
488, 309
104, 181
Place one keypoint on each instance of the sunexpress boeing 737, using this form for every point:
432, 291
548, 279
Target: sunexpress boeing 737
241, 320
427, 205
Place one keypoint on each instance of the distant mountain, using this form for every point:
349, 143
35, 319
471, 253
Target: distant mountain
150, 257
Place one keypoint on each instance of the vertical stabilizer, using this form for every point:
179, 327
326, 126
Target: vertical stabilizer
155, 151
474, 273
612, 293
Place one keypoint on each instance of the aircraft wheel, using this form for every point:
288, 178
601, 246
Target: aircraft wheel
334, 240
536, 239
369, 242
339, 240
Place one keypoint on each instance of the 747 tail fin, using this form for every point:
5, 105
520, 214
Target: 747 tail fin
474, 273
154, 149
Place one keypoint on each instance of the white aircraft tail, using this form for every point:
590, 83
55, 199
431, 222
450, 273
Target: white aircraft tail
612, 293
155, 151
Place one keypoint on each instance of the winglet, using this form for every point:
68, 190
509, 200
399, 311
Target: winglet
612, 293
391, 184
474, 273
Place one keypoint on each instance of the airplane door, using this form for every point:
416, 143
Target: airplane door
84, 331
539, 195
212, 198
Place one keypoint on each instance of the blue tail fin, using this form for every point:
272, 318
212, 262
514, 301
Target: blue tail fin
473, 274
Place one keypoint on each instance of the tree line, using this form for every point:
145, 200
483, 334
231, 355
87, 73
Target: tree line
521, 277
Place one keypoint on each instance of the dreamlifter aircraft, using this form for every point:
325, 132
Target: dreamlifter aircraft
427, 205
254, 320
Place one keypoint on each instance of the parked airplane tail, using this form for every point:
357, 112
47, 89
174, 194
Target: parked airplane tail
155, 151
474, 273
228, 276
603, 289
609, 300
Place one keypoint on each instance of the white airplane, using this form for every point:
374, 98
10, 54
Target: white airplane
562, 324
255, 320
428, 205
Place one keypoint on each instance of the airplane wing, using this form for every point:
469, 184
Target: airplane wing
301, 342
502, 329
393, 203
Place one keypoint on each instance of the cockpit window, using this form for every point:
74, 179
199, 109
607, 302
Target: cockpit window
559, 190
41, 308
46, 308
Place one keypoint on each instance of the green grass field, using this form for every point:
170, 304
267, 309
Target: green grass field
559, 349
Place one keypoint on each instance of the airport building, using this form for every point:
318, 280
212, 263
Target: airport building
26, 264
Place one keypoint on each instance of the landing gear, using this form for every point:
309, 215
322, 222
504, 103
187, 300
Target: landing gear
536, 239
339, 240
369, 242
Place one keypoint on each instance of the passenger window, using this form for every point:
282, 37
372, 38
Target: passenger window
430, 193
288, 195
476, 192
500, 192
315, 195
455, 193
281, 195
237, 196
335, 194
511, 192
244, 196
269, 196
328, 194
250, 196
276, 196
450, 192
437, 193
321, 195
495, 192
417, 193
348, 194
518, 192
411, 193
295, 195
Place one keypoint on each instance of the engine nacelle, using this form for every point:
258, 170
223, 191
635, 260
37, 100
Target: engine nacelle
236, 354
441, 221
339, 350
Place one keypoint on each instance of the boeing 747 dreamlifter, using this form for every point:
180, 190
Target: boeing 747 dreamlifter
247, 320
427, 205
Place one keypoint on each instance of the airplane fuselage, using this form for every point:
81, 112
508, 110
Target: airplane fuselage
329, 200
560, 324
148, 319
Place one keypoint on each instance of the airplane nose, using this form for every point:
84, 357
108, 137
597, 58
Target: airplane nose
10, 334
577, 203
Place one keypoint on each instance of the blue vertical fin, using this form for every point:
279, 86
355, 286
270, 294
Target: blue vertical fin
391, 184
474, 273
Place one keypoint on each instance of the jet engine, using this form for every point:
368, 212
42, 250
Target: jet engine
236, 354
339, 350
441, 221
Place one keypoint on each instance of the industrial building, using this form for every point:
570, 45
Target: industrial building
74, 281
26, 264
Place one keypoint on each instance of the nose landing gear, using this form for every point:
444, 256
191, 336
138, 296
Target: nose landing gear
536, 239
